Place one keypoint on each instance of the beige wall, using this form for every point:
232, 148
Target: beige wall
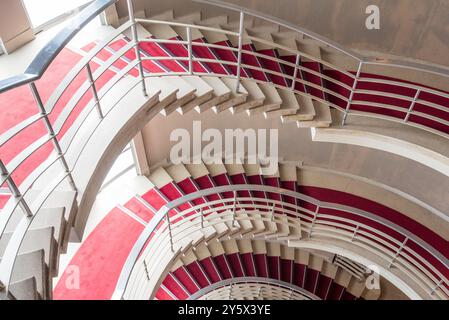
416, 29
15, 27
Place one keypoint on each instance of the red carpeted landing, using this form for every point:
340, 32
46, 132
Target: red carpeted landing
100, 259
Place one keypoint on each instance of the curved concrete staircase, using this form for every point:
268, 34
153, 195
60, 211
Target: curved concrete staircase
265, 88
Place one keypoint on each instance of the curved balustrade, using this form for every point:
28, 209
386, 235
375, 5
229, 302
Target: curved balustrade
255, 287
177, 225
64, 118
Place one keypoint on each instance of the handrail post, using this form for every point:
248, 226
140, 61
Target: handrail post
136, 43
94, 90
202, 218
239, 54
167, 217
234, 208
398, 252
230, 292
189, 48
272, 212
351, 95
315, 215
412, 105
354, 233
15, 190
52, 134
295, 72
436, 287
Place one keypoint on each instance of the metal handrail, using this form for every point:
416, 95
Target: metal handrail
288, 287
178, 220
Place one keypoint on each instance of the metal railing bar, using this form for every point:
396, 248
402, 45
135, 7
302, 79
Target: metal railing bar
55, 141
24, 188
233, 7
163, 41
294, 52
83, 89
98, 124
351, 95
94, 90
384, 94
343, 233
411, 270
136, 46
190, 197
14, 189
14, 164
71, 133
397, 120
405, 85
412, 105
438, 70
189, 49
410, 65
239, 52
370, 235
68, 79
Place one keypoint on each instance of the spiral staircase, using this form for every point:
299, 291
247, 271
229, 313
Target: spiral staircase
218, 230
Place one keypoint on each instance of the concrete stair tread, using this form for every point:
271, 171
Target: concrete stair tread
36, 239
289, 104
288, 172
221, 93
236, 98
215, 22
203, 93
25, 289
51, 217
233, 39
258, 32
306, 110
160, 177
162, 31
309, 47
272, 100
255, 97
32, 265
322, 119
188, 19
178, 172
185, 93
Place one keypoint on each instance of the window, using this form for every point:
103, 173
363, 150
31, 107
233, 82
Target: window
44, 11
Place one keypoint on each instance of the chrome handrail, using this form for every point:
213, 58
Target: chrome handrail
315, 226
